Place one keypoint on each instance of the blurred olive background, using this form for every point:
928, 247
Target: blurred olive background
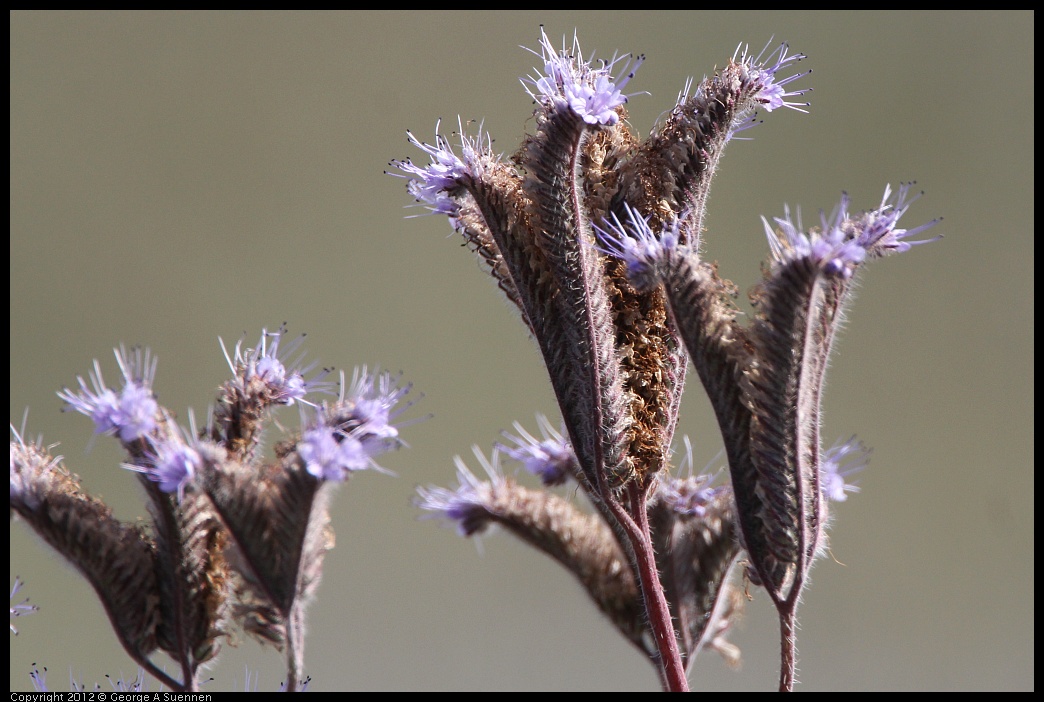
176, 177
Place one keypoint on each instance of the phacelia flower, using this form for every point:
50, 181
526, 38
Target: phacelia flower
171, 461
330, 454
837, 463
835, 252
844, 241
131, 414
267, 372
550, 458
689, 494
569, 81
372, 399
769, 90
467, 505
433, 185
22, 608
635, 243
878, 233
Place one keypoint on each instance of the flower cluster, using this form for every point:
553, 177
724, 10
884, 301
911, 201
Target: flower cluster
595, 235
235, 540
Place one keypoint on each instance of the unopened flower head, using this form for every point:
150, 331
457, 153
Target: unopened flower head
568, 81
268, 371
131, 414
468, 505
645, 252
837, 463
551, 457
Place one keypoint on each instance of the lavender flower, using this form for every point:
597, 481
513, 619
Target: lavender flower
843, 241
688, 494
551, 458
132, 413
171, 461
646, 253
331, 454
840, 461
470, 503
768, 90
19, 609
568, 81
877, 232
436, 184
267, 372
373, 401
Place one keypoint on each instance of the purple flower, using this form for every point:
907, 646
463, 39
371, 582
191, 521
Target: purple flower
854, 455
877, 231
22, 608
172, 461
769, 90
569, 81
347, 434
830, 247
469, 504
433, 184
268, 372
373, 398
689, 494
132, 413
645, 252
551, 458
330, 454
843, 241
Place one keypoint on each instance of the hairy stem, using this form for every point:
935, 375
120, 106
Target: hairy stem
788, 648
635, 523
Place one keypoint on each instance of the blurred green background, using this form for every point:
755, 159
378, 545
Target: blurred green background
176, 177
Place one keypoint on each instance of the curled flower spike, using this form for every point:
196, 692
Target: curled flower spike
132, 413
468, 505
570, 82
851, 454
768, 90
645, 252
267, 373
550, 458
